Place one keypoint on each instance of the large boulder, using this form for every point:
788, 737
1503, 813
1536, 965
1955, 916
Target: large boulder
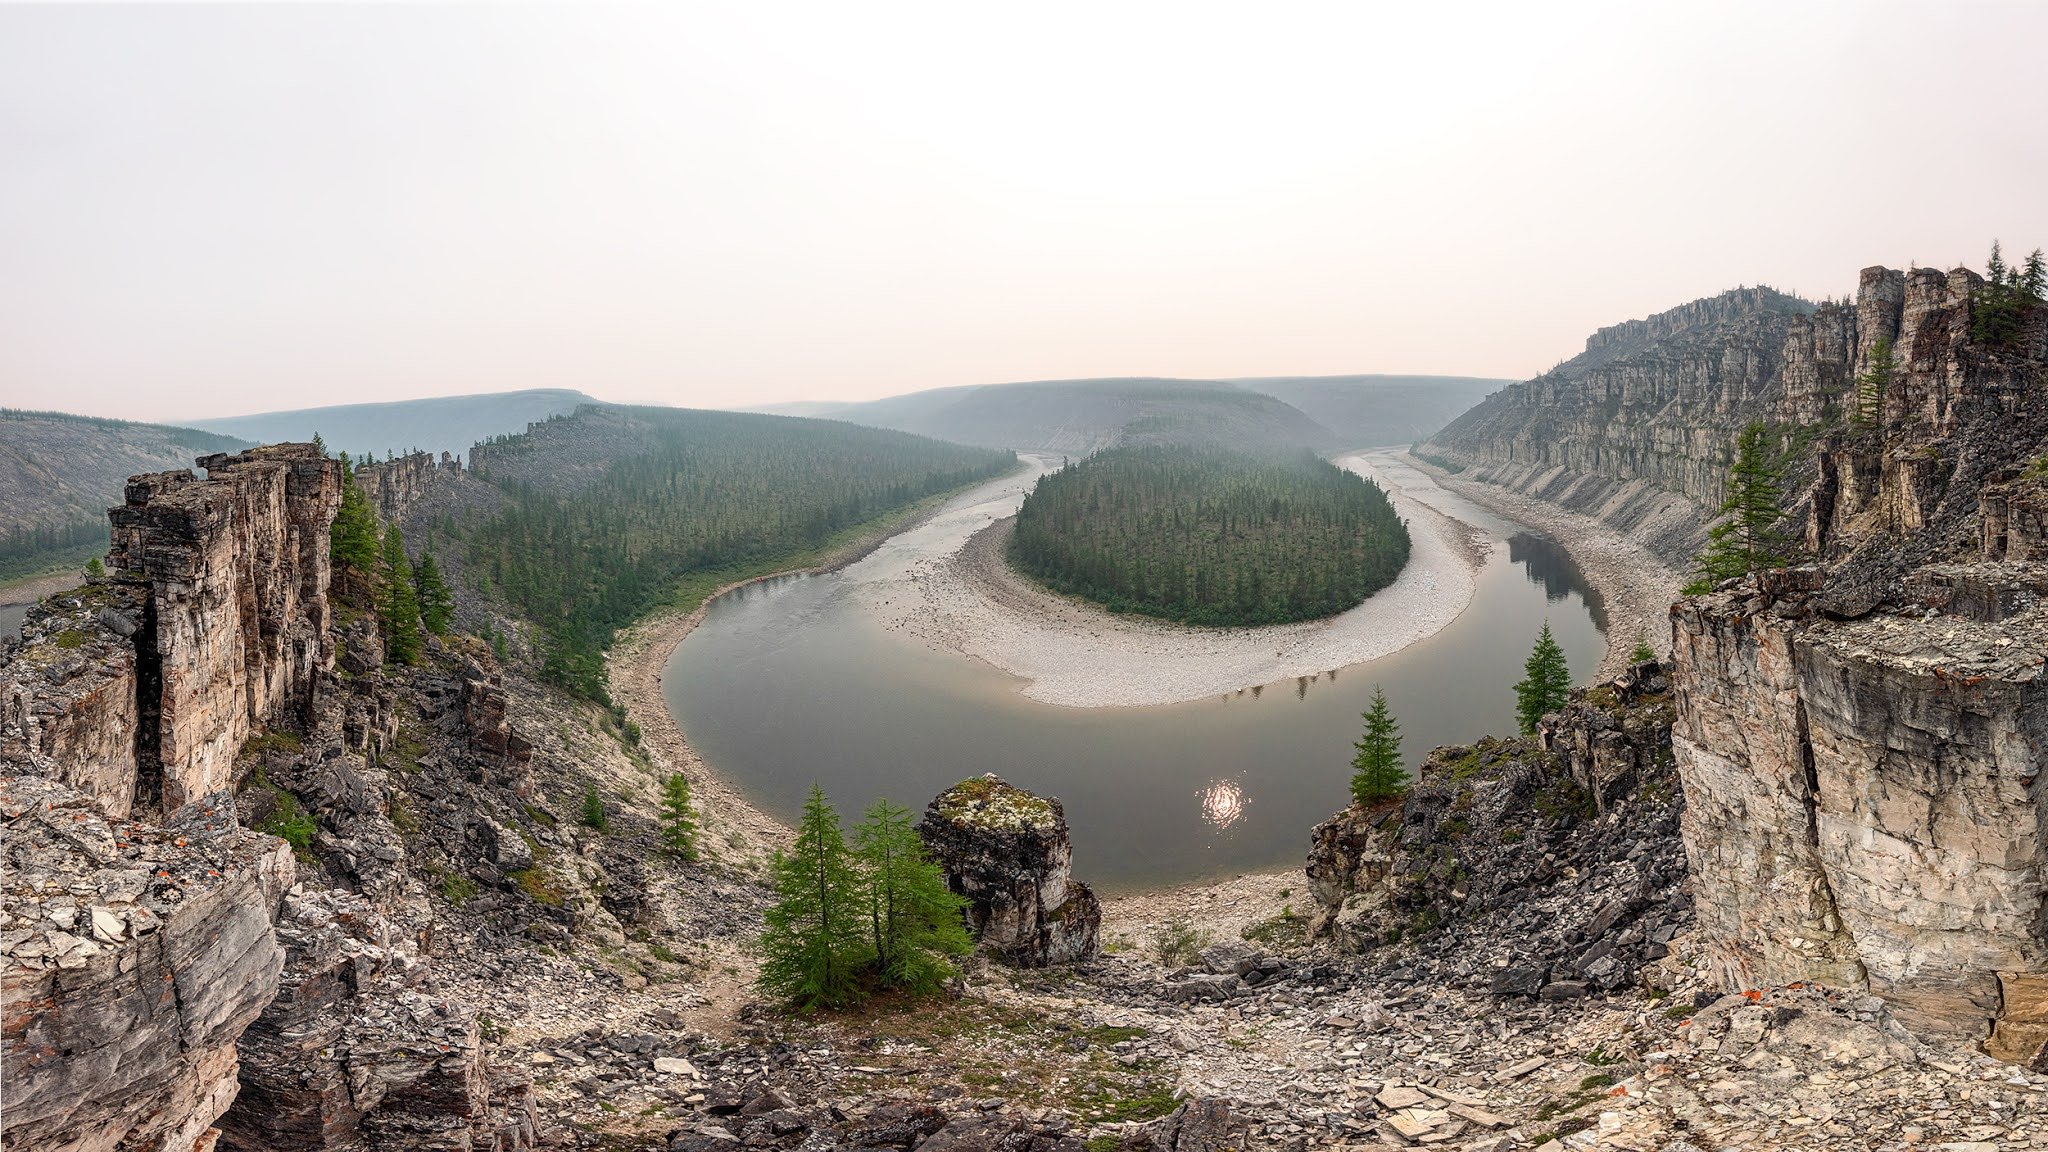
1008, 853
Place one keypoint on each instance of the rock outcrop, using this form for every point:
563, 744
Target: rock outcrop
352, 1055
1638, 430
1552, 856
136, 919
395, 485
1866, 796
234, 631
134, 956
1008, 853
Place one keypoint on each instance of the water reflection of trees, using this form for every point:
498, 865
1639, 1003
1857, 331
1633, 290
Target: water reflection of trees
1546, 564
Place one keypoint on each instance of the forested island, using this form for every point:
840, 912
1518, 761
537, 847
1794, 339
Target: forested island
721, 493
1204, 535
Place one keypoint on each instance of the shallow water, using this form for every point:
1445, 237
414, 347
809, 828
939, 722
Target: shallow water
788, 682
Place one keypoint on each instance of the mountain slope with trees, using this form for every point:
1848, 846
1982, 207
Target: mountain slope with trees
1204, 535
583, 540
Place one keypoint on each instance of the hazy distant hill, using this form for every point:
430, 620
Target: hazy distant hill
59, 474
440, 424
1083, 416
1369, 411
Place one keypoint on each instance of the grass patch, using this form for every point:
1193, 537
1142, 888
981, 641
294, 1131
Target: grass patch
538, 887
1179, 942
1286, 930
458, 890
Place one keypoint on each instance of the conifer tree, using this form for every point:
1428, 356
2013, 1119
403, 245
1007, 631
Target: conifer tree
437, 605
812, 946
1376, 772
95, 568
352, 539
398, 606
916, 923
1874, 382
593, 814
1642, 652
1747, 541
1546, 684
2034, 277
678, 818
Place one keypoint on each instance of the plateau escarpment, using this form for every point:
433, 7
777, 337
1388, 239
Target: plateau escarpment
140, 920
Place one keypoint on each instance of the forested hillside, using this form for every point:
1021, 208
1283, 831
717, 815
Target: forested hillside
60, 473
694, 492
1206, 535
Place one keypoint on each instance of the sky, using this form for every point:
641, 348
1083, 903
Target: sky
207, 211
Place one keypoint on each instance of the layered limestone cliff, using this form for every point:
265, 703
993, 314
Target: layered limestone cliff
1866, 804
137, 938
1008, 853
395, 485
1638, 430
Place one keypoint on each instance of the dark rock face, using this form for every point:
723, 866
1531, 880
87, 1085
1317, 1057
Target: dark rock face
1555, 857
1206, 1125
1007, 851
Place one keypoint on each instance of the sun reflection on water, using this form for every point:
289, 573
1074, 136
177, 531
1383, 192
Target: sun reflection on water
1223, 803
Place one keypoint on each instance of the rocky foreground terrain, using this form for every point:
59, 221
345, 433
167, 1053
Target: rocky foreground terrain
265, 890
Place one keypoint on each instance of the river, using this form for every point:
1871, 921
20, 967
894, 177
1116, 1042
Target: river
791, 681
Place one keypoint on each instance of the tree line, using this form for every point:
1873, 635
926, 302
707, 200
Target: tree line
709, 491
1206, 535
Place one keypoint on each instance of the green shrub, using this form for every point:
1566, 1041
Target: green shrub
1179, 942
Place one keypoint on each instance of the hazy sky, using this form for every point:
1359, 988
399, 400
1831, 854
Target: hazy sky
206, 211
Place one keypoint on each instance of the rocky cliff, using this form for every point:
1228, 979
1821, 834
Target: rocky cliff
1866, 803
146, 931
402, 481
1550, 857
1638, 429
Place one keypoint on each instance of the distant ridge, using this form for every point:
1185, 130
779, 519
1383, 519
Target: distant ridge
1083, 416
60, 473
437, 424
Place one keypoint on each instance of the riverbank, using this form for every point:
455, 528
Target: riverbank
17, 596
636, 660
1636, 588
1071, 653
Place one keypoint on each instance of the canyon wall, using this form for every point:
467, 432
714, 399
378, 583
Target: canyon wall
1638, 430
1867, 804
145, 933
396, 484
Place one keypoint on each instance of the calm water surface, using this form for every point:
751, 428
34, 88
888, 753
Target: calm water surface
788, 682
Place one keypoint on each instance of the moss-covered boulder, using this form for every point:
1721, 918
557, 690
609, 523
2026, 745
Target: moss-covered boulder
1007, 851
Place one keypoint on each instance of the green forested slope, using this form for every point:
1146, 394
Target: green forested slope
694, 492
1210, 536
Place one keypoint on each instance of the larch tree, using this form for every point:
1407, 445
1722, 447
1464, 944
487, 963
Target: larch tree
352, 538
678, 818
1546, 685
812, 945
1376, 772
437, 604
916, 924
398, 606
1746, 540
